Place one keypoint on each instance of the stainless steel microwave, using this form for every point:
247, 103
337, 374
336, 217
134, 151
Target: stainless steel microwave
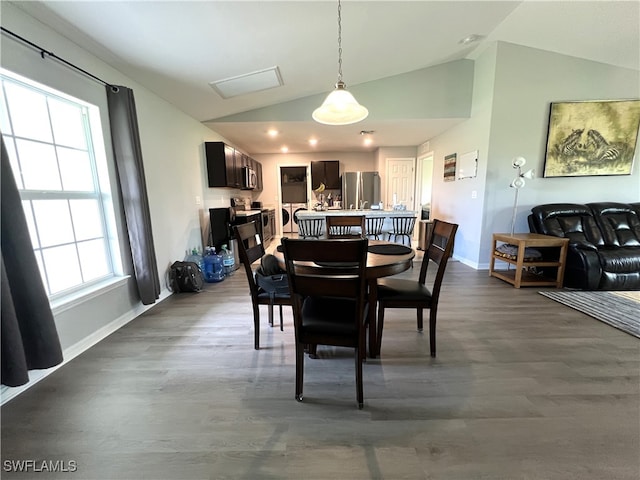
249, 178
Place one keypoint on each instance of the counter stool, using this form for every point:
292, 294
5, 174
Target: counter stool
402, 227
310, 227
374, 226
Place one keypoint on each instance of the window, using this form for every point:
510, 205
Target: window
56, 151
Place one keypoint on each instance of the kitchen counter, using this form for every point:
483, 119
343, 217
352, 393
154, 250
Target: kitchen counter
247, 213
366, 213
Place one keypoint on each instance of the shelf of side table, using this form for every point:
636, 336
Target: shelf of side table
519, 277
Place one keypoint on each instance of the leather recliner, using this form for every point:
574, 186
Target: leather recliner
604, 242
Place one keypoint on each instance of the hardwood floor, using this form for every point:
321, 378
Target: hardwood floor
522, 388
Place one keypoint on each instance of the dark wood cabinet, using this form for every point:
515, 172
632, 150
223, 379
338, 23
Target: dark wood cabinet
327, 172
222, 165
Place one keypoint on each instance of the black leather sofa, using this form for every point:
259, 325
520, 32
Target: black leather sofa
604, 246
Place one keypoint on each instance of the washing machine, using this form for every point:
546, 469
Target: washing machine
295, 208
287, 220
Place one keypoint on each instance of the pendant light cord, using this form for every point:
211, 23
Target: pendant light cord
339, 42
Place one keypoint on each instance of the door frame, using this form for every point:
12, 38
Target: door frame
386, 184
419, 172
279, 167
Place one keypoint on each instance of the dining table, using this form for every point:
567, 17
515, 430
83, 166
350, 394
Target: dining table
384, 259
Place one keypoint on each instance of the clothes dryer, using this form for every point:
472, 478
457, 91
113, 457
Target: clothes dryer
295, 208
287, 219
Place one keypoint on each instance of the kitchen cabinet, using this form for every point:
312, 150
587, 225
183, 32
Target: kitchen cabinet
224, 166
327, 172
223, 169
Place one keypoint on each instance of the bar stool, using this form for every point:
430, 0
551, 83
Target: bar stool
374, 226
310, 227
402, 227
347, 226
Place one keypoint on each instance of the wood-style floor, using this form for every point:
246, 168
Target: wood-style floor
522, 388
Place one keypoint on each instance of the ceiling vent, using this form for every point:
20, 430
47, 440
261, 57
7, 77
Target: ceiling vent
248, 83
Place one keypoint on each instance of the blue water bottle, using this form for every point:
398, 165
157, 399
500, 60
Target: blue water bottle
213, 267
228, 261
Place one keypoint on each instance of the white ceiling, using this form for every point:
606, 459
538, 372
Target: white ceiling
176, 48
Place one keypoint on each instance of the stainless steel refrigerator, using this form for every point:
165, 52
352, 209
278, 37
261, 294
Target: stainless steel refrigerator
360, 189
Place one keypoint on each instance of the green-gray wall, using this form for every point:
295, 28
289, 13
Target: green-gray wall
513, 89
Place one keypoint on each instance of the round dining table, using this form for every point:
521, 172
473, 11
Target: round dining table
384, 259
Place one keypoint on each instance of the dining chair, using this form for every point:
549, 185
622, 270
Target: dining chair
402, 227
251, 249
329, 291
345, 226
373, 226
310, 227
403, 293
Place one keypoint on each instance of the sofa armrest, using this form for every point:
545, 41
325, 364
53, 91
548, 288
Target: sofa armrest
582, 245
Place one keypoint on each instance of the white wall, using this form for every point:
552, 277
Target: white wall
452, 201
172, 147
513, 89
270, 195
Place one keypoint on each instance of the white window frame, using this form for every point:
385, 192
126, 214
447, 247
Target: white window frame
102, 192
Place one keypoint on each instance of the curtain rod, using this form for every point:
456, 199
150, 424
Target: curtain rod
44, 52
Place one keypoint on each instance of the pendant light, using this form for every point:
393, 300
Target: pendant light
340, 107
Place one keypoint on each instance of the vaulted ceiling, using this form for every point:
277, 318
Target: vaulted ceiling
176, 48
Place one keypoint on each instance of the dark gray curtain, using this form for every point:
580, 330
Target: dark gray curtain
29, 336
128, 155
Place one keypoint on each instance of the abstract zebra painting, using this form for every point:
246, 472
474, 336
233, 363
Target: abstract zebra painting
592, 138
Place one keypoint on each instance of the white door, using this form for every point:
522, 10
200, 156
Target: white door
401, 181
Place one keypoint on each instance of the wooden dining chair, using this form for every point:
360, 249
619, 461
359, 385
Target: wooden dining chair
402, 227
250, 250
329, 295
402, 293
373, 227
345, 226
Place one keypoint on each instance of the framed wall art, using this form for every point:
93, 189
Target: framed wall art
592, 138
450, 167
468, 165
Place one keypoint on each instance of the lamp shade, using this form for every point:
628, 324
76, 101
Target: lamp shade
340, 108
518, 162
518, 182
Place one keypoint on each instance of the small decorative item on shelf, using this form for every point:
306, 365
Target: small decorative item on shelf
506, 250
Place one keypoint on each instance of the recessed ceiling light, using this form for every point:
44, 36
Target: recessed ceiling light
473, 38
284, 149
313, 142
273, 132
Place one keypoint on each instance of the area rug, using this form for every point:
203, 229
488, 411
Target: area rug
618, 309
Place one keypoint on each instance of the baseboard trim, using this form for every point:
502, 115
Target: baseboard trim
69, 353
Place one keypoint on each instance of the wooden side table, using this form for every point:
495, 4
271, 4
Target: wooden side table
519, 277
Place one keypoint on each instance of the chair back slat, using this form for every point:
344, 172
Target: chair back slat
403, 228
333, 268
345, 226
374, 226
250, 249
439, 251
310, 227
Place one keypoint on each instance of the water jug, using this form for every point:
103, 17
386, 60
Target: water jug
213, 267
227, 260
196, 258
